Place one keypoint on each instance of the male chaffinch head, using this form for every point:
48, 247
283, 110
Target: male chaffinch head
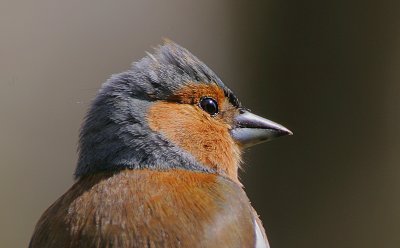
158, 159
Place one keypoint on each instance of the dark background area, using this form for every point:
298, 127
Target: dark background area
328, 70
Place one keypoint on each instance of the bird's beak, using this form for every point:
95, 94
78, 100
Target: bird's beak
250, 129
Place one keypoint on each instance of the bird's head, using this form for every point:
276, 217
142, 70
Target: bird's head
169, 111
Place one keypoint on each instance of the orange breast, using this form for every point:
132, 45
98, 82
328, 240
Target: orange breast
144, 208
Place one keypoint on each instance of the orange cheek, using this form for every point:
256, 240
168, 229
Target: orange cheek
206, 138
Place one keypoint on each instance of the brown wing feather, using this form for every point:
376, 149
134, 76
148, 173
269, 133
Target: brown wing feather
143, 208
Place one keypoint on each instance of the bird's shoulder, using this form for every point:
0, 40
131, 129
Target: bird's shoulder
145, 208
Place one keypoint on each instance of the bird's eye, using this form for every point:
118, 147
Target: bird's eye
209, 105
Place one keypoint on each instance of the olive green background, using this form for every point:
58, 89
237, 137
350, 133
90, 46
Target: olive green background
328, 70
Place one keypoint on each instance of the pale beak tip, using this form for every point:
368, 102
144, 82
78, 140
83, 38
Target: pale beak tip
282, 131
287, 132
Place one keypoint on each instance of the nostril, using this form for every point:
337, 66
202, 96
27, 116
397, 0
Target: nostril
243, 110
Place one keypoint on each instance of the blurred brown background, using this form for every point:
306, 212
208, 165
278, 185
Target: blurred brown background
328, 70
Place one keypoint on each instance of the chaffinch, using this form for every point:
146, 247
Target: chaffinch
158, 163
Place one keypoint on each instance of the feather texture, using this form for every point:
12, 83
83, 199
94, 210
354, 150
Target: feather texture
147, 208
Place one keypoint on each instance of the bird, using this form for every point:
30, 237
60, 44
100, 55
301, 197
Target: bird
158, 159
